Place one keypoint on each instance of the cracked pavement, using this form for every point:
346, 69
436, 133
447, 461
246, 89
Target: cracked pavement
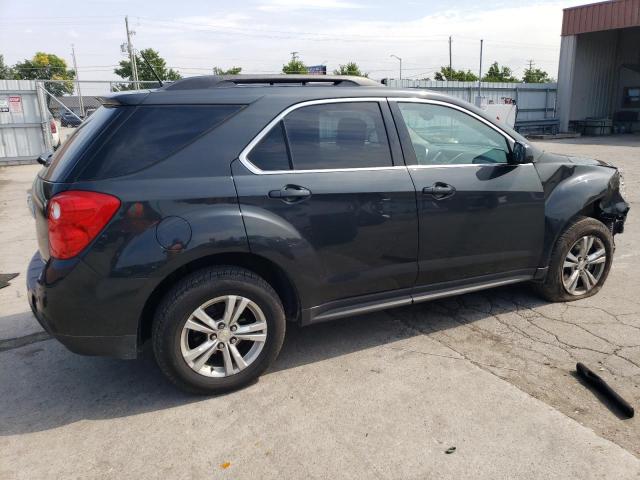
378, 396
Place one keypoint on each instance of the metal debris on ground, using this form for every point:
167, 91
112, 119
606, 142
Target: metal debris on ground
5, 278
601, 386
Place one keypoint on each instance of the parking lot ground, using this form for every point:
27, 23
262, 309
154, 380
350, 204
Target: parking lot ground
377, 396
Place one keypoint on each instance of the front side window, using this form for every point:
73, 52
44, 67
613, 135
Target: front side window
326, 136
445, 136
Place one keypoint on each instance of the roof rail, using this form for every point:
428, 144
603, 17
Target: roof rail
217, 81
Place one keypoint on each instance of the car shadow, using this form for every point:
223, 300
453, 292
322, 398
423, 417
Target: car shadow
43, 386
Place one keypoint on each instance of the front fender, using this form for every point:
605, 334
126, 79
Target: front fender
574, 189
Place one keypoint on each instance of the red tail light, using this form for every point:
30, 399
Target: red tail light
75, 218
54, 129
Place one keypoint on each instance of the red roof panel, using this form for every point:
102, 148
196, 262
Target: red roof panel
601, 16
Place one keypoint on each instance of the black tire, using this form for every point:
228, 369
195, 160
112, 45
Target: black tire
552, 289
191, 292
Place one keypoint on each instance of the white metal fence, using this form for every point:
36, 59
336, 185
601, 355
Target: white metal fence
534, 101
22, 125
27, 107
38, 115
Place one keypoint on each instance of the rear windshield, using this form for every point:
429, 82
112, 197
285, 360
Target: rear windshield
128, 139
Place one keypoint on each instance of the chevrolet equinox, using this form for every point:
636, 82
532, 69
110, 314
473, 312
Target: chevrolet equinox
205, 215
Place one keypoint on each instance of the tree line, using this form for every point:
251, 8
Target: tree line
47, 66
496, 73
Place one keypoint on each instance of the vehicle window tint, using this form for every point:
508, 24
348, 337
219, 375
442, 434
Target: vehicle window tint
337, 135
150, 134
445, 136
66, 156
271, 151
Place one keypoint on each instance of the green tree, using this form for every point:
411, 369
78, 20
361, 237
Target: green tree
46, 66
144, 71
351, 68
498, 74
6, 72
536, 75
450, 74
295, 65
230, 71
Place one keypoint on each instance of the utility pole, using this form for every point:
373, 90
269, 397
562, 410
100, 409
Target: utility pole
450, 67
479, 99
294, 56
132, 54
530, 70
79, 92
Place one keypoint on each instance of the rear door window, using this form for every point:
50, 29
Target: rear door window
324, 137
149, 134
338, 135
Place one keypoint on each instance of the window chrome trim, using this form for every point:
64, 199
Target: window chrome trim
258, 171
478, 165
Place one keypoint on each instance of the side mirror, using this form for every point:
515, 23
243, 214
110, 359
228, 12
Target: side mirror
521, 153
44, 158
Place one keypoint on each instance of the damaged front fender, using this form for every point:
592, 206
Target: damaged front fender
579, 187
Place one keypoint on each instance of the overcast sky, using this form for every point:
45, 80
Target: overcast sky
259, 35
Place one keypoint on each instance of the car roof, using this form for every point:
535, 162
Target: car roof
276, 92
246, 89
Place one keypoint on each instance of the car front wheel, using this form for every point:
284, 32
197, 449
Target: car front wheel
580, 262
217, 330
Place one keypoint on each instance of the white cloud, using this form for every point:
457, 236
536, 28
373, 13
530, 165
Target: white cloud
244, 34
290, 5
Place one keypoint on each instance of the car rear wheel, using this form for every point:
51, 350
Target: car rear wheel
217, 330
580, 262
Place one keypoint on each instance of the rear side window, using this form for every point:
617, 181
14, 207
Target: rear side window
338, 135
271, 151
150, 134
326, 136
65, 157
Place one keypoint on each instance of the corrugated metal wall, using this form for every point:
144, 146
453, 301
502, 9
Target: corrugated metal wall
535, 101
594, 75
21, 134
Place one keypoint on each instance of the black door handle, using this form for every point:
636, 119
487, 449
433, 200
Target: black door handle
290, 193
439, 190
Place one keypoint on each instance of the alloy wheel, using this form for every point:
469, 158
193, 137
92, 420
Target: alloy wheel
584, 265
223, 336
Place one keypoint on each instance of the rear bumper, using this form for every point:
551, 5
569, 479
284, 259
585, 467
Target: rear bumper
87, 314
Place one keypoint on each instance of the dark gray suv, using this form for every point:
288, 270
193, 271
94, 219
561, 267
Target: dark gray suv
204, 215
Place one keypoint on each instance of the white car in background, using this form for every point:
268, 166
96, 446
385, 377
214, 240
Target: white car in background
55, 132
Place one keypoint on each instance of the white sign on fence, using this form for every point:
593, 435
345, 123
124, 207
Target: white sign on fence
4, 104
15, 104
